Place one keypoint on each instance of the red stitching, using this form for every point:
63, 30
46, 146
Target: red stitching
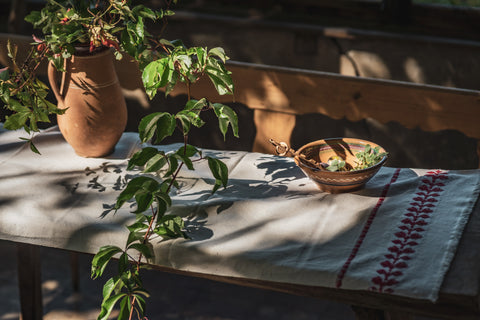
416, 217
365, 229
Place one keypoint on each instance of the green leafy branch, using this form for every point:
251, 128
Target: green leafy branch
151, 190
67, 26
177, 63
95, 25
24, 94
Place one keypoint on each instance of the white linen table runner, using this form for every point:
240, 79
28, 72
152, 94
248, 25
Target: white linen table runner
397, 236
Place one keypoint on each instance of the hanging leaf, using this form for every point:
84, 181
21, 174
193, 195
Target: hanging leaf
161, 123
226, 116
108, 305
219, 52
144, 249
101, 259
219, 76
125, 307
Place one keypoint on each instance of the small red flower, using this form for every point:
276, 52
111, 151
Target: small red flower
41, 47
111, 43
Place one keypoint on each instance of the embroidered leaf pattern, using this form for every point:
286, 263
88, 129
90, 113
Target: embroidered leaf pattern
410, 232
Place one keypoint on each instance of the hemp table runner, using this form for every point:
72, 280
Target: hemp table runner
397, 236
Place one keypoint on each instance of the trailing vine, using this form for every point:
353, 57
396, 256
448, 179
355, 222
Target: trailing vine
151, 193
117, 24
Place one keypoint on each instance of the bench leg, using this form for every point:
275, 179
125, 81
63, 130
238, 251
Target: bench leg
29, 281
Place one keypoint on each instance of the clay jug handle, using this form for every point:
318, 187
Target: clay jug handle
52, 78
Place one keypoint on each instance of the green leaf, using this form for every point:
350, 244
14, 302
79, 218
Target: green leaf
188, 118
137, 231
173, 162
33, 17
140, 158
144, 199
123, 263
162, 123
125, 307
170, 226
144, 249
184, 121
16, 121
140, 28
141, 188
336, 165
156, 163
163, 201
33, 147
226, 116
184, 60
172, 83
220, 53
186, 160
219, 171
140, 301
146, 12
5, 75
114, 284
101, 259
158, 74
128, 42
368, 157
108, 305
201, 55
219, 76
188, 151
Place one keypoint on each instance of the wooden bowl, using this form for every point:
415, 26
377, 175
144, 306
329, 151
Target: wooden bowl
337, 181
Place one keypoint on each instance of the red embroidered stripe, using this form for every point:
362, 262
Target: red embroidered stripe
365, 229
411, 228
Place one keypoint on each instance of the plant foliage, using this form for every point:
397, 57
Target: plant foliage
67, 26
363, 160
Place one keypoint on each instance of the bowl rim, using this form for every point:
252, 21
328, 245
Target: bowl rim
299, 161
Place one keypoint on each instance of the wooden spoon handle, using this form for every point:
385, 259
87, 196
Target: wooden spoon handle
282, 149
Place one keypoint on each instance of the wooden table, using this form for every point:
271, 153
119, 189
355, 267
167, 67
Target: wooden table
92, 182
455, 301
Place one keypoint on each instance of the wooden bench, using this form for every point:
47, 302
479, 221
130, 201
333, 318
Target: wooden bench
278, 95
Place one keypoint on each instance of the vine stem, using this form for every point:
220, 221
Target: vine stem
148, 233
31, 71
131, 308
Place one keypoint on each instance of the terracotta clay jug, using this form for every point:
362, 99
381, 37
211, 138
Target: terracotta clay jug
97, 113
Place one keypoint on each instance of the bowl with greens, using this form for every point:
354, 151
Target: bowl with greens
340, 164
